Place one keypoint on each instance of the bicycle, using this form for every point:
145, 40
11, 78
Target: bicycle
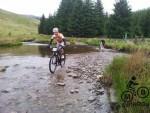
57, 59
129, 94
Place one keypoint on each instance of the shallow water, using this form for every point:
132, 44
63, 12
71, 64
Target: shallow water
42, 50
27, 86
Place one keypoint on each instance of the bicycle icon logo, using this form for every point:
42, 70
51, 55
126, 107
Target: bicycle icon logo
131, 91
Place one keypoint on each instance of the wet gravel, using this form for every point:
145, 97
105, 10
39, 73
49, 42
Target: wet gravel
26, 86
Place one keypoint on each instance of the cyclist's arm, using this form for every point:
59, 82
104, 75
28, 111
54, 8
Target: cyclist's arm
63, 38
51, 40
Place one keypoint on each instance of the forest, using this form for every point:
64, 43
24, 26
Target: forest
86, 18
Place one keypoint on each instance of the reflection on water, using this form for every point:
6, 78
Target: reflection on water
43, 50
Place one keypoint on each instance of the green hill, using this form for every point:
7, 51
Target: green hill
15, 24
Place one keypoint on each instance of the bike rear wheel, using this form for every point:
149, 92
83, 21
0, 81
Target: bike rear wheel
53, 64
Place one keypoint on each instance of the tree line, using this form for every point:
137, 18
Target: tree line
85, 18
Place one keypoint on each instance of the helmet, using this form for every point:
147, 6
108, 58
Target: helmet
55, 30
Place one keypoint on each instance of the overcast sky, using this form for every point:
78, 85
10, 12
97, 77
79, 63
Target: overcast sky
38, 7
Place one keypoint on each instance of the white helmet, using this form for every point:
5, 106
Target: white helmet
55, 30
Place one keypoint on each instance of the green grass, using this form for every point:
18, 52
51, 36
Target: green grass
129, 45
12, 24
122, 69
16, 28
17, 40
119, 44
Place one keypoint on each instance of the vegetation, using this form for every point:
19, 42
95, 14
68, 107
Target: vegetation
141, 23
122, 69
16, 28
12, 24
77, 18
17, 40
129, 46
120, 21
85, 18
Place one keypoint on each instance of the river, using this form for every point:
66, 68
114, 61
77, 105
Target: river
27, 86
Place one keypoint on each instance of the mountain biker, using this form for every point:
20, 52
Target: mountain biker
59, 39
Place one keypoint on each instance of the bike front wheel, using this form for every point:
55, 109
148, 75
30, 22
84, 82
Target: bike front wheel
53, 64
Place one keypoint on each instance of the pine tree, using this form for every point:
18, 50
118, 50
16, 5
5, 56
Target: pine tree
145, 23
64, 14
89, 19
42, 25
50, 24
120, 21
99, 16
75, 27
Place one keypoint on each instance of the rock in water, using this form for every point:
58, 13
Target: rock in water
68, 71
99, 76
81, 82
72, 91
2, 69
73, 75
5, 91
61, 84
91, 99
76, 91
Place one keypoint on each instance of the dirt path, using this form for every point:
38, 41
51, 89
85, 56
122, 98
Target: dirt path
26, 86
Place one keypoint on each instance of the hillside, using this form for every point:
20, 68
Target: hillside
15, 24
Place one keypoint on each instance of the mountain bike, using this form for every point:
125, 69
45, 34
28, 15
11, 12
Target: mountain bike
58, 58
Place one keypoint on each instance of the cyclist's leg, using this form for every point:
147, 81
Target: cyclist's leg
59, 51
62, 50
60, 47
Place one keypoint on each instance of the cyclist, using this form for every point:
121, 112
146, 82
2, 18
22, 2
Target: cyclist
59, 39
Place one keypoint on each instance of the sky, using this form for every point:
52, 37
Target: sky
39, 7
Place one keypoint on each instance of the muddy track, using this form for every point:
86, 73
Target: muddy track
28, 87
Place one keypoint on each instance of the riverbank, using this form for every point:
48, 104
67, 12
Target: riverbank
16, 40
121, 45
122, 71
128, 46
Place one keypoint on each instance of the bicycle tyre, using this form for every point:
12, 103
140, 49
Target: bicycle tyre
53, 63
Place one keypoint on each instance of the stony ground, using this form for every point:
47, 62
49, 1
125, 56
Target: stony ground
28, 87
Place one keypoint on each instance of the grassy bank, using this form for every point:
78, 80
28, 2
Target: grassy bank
130, 46
117, 44
14, 24
18, 39
121, 70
